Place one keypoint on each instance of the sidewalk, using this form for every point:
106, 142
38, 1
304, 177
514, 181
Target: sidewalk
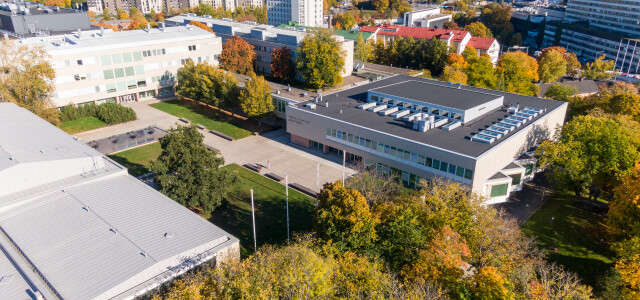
300, 165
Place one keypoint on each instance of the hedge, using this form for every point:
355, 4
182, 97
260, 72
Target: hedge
110, 113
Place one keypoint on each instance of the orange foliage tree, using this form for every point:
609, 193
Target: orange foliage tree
237, 56
202, 26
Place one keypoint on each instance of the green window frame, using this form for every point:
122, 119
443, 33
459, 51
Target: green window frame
499, 190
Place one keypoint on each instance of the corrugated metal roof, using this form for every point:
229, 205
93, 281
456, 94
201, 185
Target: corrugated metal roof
92, 235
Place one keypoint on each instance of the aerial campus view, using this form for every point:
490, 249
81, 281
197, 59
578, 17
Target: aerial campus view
307, 149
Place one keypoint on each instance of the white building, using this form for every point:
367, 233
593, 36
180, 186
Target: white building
304, 12
75, 225
428, 17
104, 66
265, 38
620, 16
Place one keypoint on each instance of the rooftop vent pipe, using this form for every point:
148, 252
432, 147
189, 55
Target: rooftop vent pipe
148, 28
79, 33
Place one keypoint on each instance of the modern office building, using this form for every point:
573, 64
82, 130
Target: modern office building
104, 66
25, 19
457, 40
265, 38
427, 129
428, 17
303, 12
619, 16
75, 225
95, 6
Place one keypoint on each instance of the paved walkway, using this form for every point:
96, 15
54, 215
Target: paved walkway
299, 163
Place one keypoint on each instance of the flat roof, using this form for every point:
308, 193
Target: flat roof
343, 107
437, 93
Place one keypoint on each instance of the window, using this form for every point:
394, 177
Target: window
132, 84
137, 56
444, 166
106, 60
108, 74
192, 48
328, 131
139, 70
515, 178
374, 98
111, 88
393, 151
121, 86
414, 157
77, 77
499, 190
79, 61
421, 159
127, 57
468, 174
119, 73
428, 162
460, 171
129, 71
528, 169
116, 58
435, 111
407, 155
436, 164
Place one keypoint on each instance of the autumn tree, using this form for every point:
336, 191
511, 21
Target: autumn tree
255, 98
380, 5
455, 74
490, 284
363, 50
282, 66
321, 59
478, 29
552, 66
189, 173
520, 71
451, 25
237, 56
480, 72
561, 92
26, 79
201, 26
599, 69
593, 152
626, 104
573, 65
207, 83
344, 218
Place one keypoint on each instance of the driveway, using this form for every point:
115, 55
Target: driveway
286, 159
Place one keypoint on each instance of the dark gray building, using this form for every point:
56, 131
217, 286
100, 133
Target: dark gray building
26, 18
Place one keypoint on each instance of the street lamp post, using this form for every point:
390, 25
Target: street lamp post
286, 184
253, 216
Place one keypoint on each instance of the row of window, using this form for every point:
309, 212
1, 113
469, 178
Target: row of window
408, 179
119, 58
402, 154
122, 72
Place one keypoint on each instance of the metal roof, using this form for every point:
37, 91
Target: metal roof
97, 235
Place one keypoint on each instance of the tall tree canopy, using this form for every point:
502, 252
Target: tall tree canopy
255, 98
321, 59
237, 56
551, 66
599, 69
592, 151
189, 173
26, 79
282, 65
520, 71
205, 82
480, 72
478, 29
561, 92
363, 50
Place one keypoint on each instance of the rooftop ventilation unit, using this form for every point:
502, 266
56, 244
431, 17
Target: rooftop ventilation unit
378, 108
502, 128
310, 105
401, 113
367, 106
388, 111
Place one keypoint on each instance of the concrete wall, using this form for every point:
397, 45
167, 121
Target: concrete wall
491, 162
21, 24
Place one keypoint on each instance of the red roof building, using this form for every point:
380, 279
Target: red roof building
457, 40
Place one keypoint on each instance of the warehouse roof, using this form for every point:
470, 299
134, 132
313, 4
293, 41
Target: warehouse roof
99, 233
343, 107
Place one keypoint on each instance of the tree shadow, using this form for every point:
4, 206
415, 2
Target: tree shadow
134, 169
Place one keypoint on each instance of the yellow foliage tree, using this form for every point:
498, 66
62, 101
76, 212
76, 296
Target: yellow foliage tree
489, 284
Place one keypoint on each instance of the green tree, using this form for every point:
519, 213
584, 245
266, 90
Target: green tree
516, 39
552, 66
480, 72
237, 56
402, 234
189, 173
432, 55
454, 74
520, 71
573, 65
599, 69
363, 50
380, 5
106, 15
593, 152
478, 29
207, 83
282, 65
561, 92
26, 79
626, 104
255, 98
321, 59
344, 218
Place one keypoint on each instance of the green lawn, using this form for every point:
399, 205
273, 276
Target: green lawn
204, 116
80, 125
270, 205
572, 237
137, 160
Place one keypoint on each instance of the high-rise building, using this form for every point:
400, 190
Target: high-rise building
303, 12
620, 16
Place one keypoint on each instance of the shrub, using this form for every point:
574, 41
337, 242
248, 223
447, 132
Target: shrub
68, 113
112, 113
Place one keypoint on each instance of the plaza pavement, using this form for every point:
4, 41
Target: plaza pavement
297, 162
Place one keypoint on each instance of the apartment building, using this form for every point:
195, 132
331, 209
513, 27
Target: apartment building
620, 16
427, 17
265, 38
457, 40
307, 13
426, 129
101, 66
